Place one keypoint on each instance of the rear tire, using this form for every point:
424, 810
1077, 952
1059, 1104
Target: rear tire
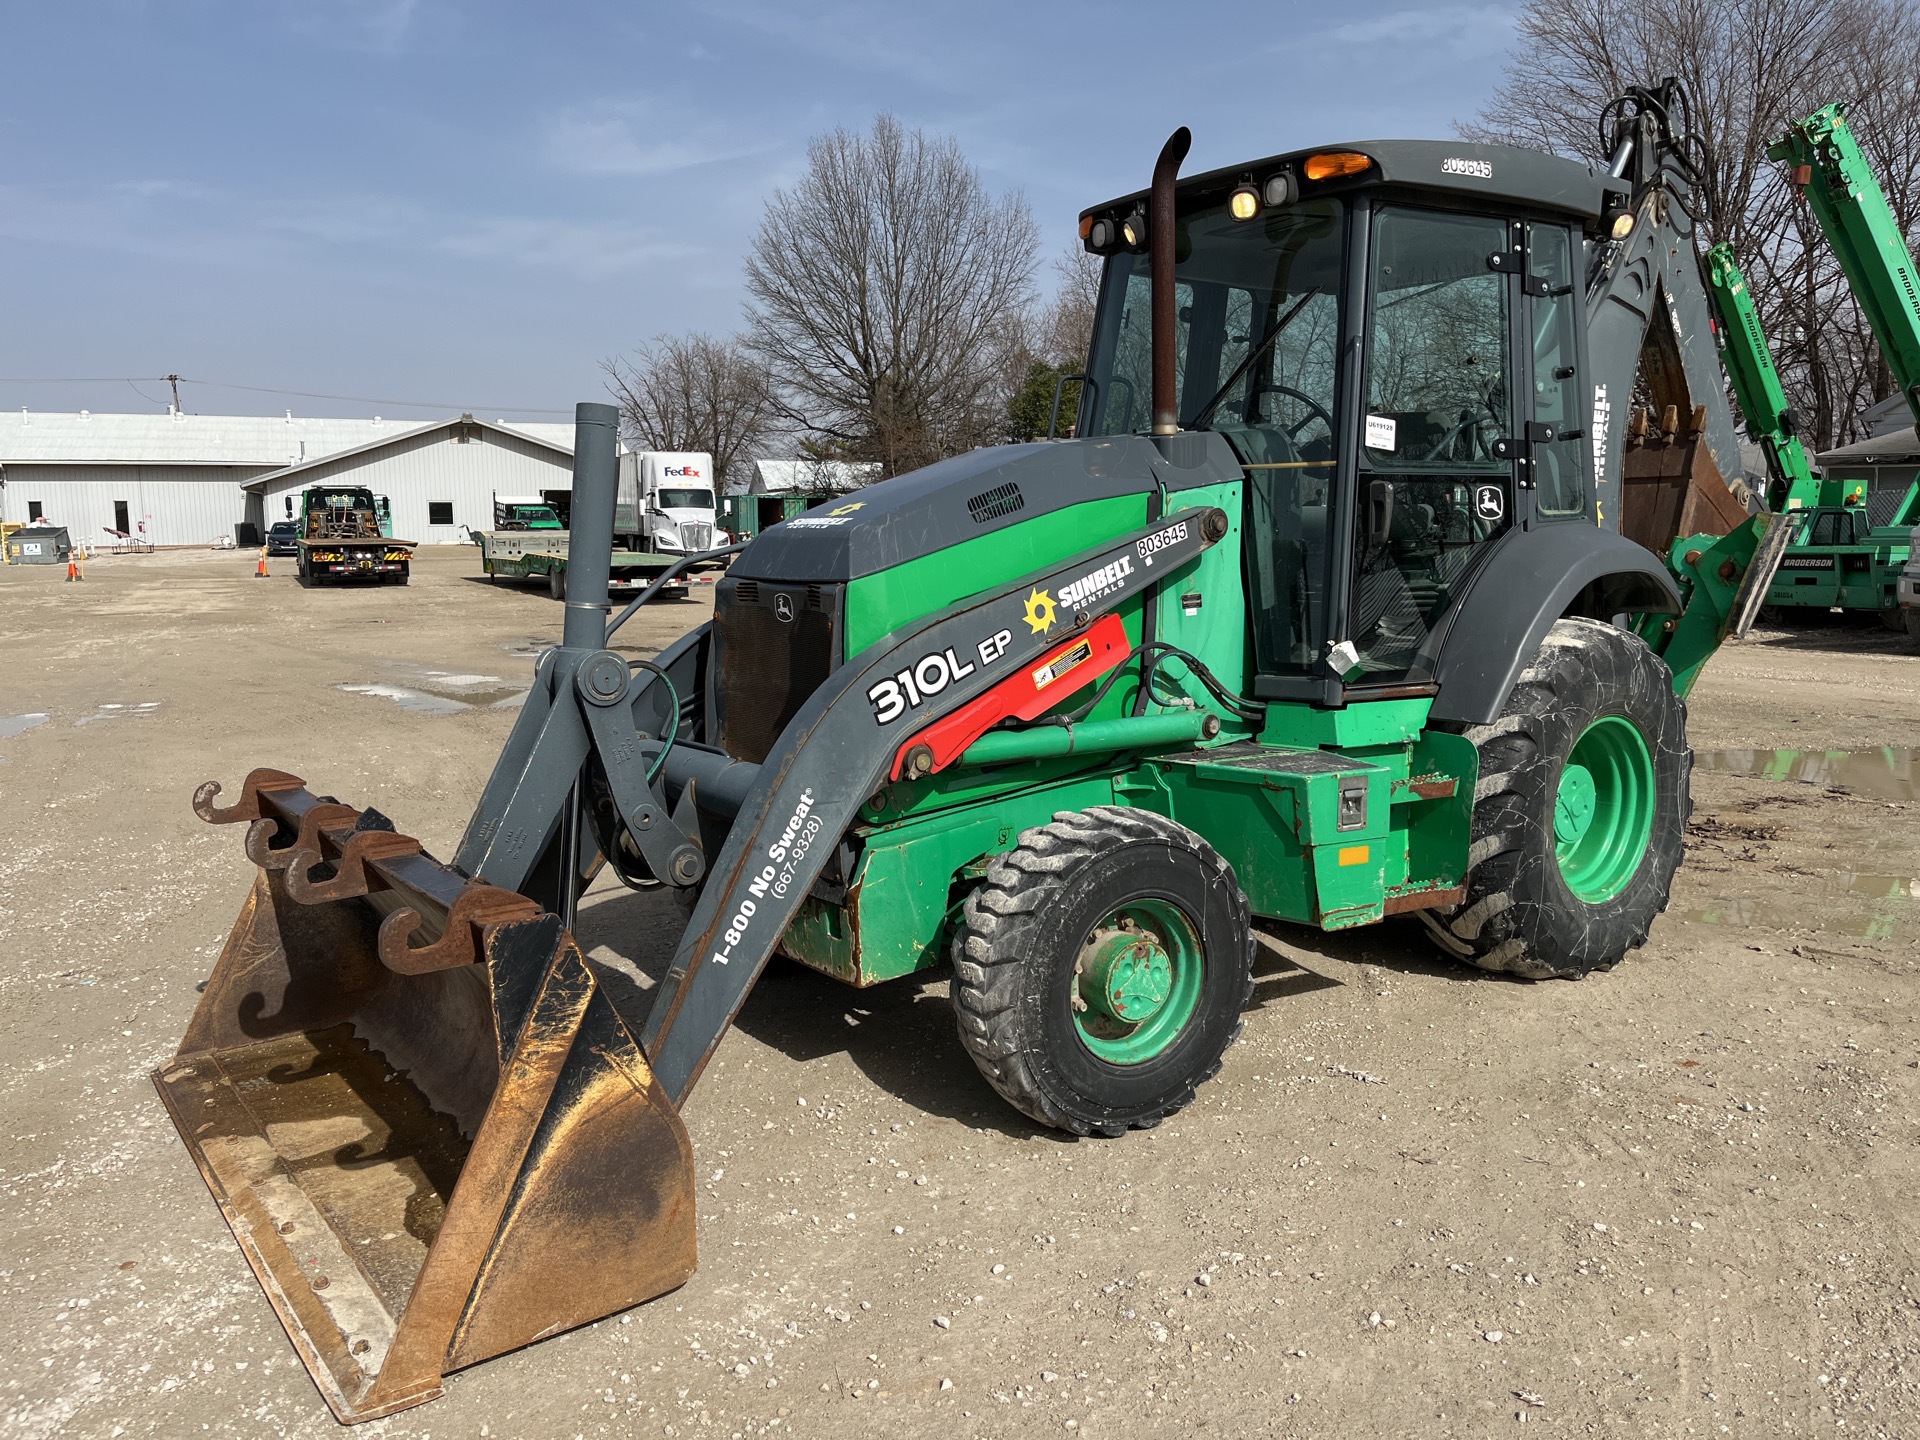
1580, 812
1100, 971
557, 584
1912, 618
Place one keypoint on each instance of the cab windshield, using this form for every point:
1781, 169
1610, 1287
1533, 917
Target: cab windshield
1259, 327
1256, 352
686, 499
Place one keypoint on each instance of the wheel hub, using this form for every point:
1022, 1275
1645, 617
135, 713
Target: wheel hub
1603, 809
1573, 807
1127, 976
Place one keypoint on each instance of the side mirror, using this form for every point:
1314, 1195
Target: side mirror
289, 507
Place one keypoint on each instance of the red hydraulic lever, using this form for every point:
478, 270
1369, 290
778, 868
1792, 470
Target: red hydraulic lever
1069, 666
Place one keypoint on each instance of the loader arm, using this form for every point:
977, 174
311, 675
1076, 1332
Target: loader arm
840, 747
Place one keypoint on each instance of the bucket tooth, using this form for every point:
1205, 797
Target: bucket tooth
476, 908
267, 850
248, 806
351, 879
429, 1162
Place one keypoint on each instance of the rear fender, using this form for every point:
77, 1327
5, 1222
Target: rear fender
1529, 580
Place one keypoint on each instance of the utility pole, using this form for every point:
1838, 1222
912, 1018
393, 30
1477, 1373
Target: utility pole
174, 381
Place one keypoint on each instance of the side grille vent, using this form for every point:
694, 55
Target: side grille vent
992, 504
773, 646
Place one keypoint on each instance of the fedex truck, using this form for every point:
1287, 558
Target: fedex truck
665, 503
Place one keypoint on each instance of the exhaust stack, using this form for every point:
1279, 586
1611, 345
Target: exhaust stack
1160, 239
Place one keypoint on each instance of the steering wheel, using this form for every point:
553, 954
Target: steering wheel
1470, 424
1316, 411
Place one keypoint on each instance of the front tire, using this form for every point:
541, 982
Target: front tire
1580, 812
557, 584
1100, 971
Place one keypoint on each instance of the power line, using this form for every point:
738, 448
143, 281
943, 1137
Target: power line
265, 390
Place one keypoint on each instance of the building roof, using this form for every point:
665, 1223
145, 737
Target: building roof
42, 438
783, 477
1896, 447
275, 478
1888, 415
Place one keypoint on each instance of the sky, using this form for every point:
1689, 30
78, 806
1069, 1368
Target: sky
472, 204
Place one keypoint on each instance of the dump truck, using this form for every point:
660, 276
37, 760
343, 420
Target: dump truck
1353, 599
346, 533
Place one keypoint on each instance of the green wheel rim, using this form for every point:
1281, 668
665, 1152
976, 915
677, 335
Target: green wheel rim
1137, 982
1603, 809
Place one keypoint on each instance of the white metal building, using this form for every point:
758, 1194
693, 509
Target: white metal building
175, 479
441, 477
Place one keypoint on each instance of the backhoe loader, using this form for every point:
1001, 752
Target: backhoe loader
1355, 596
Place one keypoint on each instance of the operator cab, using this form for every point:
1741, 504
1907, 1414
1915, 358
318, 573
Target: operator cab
1391, 337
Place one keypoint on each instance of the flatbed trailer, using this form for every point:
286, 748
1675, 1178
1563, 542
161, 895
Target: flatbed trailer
541, 556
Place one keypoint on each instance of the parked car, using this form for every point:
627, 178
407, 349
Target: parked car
284, 538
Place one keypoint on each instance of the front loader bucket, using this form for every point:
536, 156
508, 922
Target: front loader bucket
430, 1154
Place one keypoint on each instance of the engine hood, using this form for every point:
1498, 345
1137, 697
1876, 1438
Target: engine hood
916, 514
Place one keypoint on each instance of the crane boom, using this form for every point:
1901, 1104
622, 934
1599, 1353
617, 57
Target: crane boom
1770, 420
1834, 176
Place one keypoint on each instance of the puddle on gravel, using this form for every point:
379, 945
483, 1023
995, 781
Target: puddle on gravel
1891, 772
441, 692
111, 711
1798, 913
12, 725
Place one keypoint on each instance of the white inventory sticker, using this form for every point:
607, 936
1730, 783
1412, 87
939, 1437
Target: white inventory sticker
1380, 432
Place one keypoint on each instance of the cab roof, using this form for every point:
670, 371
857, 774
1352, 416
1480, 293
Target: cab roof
1507, 174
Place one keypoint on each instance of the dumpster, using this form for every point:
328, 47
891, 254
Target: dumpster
39, 545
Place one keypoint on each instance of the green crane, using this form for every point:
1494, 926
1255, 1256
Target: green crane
1838, 558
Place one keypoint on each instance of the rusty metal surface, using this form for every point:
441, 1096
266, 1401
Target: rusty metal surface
1670, 485
429, 1154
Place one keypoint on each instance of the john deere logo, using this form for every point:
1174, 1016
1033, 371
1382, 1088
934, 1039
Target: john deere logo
783, 607
1041, 612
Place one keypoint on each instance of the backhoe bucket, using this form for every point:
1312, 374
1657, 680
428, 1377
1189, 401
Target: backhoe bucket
431, 1153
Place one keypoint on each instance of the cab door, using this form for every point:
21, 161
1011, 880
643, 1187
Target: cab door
1440, 459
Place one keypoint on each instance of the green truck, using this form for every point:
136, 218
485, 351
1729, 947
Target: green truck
1838, 558
539, 556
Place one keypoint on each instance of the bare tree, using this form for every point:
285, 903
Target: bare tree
694, 392
1066, 328
1750, 68
883, 288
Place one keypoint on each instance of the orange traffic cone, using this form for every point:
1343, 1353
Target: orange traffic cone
261, 572
73, 572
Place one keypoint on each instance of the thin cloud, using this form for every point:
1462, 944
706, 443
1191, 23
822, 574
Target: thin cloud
619, 138
1456, 30
375, 27
591, 252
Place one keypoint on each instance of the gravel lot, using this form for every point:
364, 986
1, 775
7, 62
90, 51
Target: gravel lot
1418, 1201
